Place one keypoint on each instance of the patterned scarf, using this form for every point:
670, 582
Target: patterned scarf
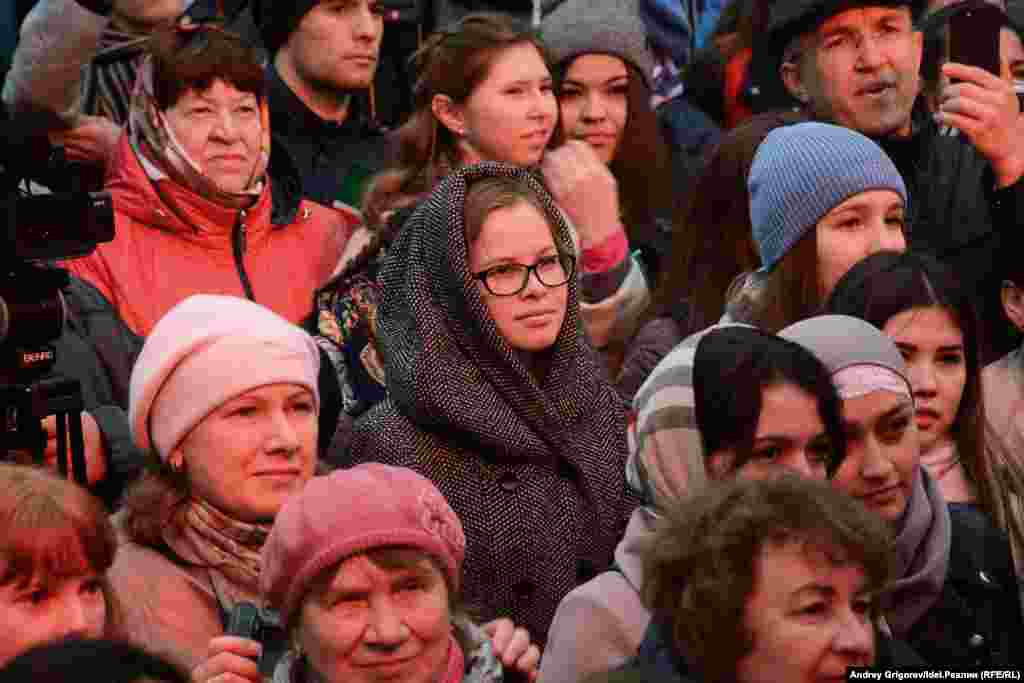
207, 537
163, 156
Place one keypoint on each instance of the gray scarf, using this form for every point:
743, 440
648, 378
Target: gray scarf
923, 538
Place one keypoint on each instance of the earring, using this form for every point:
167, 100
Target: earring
176, 464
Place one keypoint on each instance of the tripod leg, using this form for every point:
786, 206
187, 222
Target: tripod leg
62, 444
78, 466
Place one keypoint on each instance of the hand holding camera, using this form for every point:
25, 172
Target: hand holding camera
230, 658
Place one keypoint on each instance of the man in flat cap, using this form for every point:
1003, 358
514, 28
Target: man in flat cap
857, 63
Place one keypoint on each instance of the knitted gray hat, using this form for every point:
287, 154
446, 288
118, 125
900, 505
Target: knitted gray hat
803, 171
606, 27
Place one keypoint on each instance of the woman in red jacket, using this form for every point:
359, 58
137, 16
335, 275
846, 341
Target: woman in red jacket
198, 206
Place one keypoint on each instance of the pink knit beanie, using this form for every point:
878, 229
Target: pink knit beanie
206, 351
350, 512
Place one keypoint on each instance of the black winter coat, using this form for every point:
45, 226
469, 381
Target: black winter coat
334, 161
977, 619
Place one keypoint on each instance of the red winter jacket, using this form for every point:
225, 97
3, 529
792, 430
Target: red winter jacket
172, 244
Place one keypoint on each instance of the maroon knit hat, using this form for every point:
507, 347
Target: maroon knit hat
350, 512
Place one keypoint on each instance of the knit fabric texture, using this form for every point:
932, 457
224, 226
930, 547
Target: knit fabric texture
534, 469
384, 507
206, 351
802, 172
607, 27
276, 19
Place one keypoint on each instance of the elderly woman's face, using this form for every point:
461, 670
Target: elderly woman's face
251, 454
882, 451
365, 622
221, 131
808, 617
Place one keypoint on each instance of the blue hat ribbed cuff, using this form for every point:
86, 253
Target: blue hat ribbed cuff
802, 172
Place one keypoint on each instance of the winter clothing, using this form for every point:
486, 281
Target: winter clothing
610, 27
1003, 386
659, 659
957, 214
98, 350
479, 663
600, 625
533, 467
164, 157
795, 181
277, 20
614, 296
384, 506
667, 26
171, 243
447, 12
976, 621
172, 601
334, 161
206, 351
791, 19
652, 342
57, 39
955, 600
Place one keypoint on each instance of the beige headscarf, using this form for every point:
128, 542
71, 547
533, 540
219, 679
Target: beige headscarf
163, 156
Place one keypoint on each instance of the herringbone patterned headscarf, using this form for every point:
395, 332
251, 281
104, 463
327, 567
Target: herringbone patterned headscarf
466, 412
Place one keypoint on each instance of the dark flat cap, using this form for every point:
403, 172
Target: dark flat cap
791, 18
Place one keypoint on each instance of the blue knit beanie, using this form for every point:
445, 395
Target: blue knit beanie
803, 171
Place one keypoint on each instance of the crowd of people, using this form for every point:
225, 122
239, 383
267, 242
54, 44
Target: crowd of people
585, 340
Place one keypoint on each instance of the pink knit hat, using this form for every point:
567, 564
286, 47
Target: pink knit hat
206, 351
350, 512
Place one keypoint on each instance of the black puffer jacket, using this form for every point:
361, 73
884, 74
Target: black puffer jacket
534, 469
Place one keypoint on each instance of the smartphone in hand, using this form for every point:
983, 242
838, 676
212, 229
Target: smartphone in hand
974, 36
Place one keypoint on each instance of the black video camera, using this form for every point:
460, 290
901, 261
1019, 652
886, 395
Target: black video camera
262, 625
35, 230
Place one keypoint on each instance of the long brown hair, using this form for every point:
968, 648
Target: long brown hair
642, 165
789, 293
712, 237
453, 63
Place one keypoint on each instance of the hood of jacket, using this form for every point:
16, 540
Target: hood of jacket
449, 369
167, 205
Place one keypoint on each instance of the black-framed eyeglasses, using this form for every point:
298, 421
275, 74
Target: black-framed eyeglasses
508, 279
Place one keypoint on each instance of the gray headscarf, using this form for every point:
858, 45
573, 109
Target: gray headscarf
923, 533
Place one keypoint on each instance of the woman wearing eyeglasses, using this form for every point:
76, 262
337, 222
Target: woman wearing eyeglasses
495, 395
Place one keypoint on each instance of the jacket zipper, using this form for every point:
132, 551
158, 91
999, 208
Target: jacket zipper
239, 246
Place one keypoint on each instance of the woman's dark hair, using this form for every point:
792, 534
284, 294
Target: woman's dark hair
732, 368
75, 660
642, 165
700, 566
192, 58
451, 62
886, 284
788, 294
712, 240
